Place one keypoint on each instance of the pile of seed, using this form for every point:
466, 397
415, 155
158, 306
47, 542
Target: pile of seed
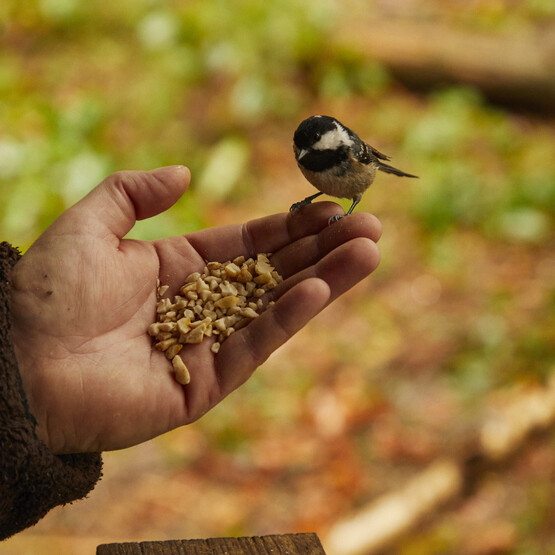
223, 299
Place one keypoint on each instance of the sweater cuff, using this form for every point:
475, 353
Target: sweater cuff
33, 480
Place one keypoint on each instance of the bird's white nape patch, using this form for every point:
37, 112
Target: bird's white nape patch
333, 139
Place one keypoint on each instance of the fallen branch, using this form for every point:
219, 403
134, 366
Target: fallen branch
513, 68
504, 435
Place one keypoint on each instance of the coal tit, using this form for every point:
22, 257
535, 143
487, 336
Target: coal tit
336, 161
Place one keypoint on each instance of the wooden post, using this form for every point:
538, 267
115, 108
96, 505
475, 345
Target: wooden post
290, 544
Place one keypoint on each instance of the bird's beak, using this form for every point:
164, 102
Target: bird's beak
302, 153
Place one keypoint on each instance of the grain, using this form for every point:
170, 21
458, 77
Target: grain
224, 298
181, 371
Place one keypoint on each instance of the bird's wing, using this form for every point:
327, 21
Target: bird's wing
390, 169
362, 154
366, 154
377, 153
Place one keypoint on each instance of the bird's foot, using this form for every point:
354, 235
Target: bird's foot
304, 202
335, 218
299, 204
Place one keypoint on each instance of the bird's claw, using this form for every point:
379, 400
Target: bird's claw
304, 202
297, 205
335, 218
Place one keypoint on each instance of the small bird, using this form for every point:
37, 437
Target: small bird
336, 161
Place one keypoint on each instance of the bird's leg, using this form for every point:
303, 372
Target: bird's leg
355, 202
304, 202
339, 216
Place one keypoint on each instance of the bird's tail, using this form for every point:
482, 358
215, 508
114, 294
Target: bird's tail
390, 169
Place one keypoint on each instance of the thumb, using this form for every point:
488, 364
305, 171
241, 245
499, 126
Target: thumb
127, 196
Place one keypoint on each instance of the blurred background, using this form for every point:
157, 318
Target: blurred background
403, 369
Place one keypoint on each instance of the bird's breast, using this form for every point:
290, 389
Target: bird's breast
348, 180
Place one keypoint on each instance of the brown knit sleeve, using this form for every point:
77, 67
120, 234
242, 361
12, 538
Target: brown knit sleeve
32, 479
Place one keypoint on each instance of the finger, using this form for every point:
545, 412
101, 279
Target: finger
223, 243
341, 269
309, 250
125, 197
266, 234
248, 348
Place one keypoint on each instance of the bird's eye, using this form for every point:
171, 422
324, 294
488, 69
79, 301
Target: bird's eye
316, 137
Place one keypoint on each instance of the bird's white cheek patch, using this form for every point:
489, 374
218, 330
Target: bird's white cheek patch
333, 139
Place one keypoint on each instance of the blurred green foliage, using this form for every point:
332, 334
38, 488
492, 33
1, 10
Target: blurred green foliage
481, 171
89, 88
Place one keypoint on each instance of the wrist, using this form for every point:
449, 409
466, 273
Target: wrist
27, 368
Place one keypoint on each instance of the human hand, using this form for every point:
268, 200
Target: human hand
84, 296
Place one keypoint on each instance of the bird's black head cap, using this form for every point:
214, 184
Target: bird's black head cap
311, 130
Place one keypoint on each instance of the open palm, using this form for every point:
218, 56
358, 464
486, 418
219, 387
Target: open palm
84, 297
